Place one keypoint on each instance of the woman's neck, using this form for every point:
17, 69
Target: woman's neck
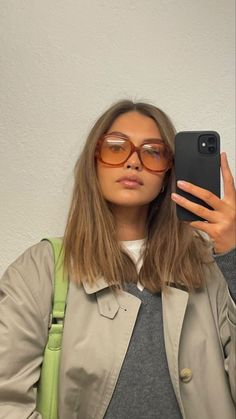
130, 222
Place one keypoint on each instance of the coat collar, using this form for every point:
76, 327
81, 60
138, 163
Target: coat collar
108, 305
99, 285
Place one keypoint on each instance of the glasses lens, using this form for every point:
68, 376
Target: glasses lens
154, 156
114, 150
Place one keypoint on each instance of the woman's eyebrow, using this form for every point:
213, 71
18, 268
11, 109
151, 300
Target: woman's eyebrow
121, 134
145, 140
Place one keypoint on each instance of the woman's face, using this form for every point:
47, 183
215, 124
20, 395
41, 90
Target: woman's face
131, 185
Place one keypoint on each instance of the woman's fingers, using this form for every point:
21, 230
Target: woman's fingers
203, 226
208, 197
228, 180
221, 217
196, 209
221, 206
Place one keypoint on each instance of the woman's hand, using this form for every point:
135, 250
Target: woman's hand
220, 222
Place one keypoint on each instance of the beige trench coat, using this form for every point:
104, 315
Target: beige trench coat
199, 331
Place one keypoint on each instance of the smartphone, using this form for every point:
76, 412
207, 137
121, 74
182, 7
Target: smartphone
197, 160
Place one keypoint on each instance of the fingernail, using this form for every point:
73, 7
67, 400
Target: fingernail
182, 183
174, 196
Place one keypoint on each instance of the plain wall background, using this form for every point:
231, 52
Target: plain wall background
64, 62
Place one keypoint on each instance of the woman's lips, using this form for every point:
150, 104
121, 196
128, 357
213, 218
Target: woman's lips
131, 182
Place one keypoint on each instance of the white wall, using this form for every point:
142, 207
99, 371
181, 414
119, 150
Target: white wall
65, 62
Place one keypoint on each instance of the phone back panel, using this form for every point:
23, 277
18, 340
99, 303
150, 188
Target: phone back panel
198, 168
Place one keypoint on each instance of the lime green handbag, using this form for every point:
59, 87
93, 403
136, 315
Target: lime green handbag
47, 391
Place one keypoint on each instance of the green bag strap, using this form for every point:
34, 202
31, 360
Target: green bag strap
60, 280
47, 390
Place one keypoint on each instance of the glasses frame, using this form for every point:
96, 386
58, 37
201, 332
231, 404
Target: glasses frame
133, 150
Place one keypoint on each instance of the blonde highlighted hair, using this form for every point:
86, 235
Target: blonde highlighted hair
174, 253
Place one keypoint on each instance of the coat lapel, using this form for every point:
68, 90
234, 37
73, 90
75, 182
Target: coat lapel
174, 303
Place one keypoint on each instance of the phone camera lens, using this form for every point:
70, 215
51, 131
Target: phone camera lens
211, 140
207, 144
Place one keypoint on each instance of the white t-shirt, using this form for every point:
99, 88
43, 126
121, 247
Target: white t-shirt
134, 248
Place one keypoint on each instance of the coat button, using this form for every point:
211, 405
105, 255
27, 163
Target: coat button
186, 375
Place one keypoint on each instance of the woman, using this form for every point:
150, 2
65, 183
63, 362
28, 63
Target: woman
150, 319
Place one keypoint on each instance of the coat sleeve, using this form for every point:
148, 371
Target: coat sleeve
25, 301
226, 263
227, 328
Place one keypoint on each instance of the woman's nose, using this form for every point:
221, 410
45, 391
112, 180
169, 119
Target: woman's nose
133, 162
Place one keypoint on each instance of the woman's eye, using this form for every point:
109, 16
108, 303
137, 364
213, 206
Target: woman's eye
153, 152
115, 147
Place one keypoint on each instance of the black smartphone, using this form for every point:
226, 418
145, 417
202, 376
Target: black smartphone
197, 160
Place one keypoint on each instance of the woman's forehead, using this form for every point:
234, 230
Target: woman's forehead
135, 124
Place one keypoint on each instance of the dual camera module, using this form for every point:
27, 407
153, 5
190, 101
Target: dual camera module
207, 144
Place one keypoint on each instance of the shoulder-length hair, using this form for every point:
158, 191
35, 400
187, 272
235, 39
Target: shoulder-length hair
174, 253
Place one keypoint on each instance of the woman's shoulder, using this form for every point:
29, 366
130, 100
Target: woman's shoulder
32, 272
38, 257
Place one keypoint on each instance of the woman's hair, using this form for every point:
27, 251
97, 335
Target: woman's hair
174, 252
